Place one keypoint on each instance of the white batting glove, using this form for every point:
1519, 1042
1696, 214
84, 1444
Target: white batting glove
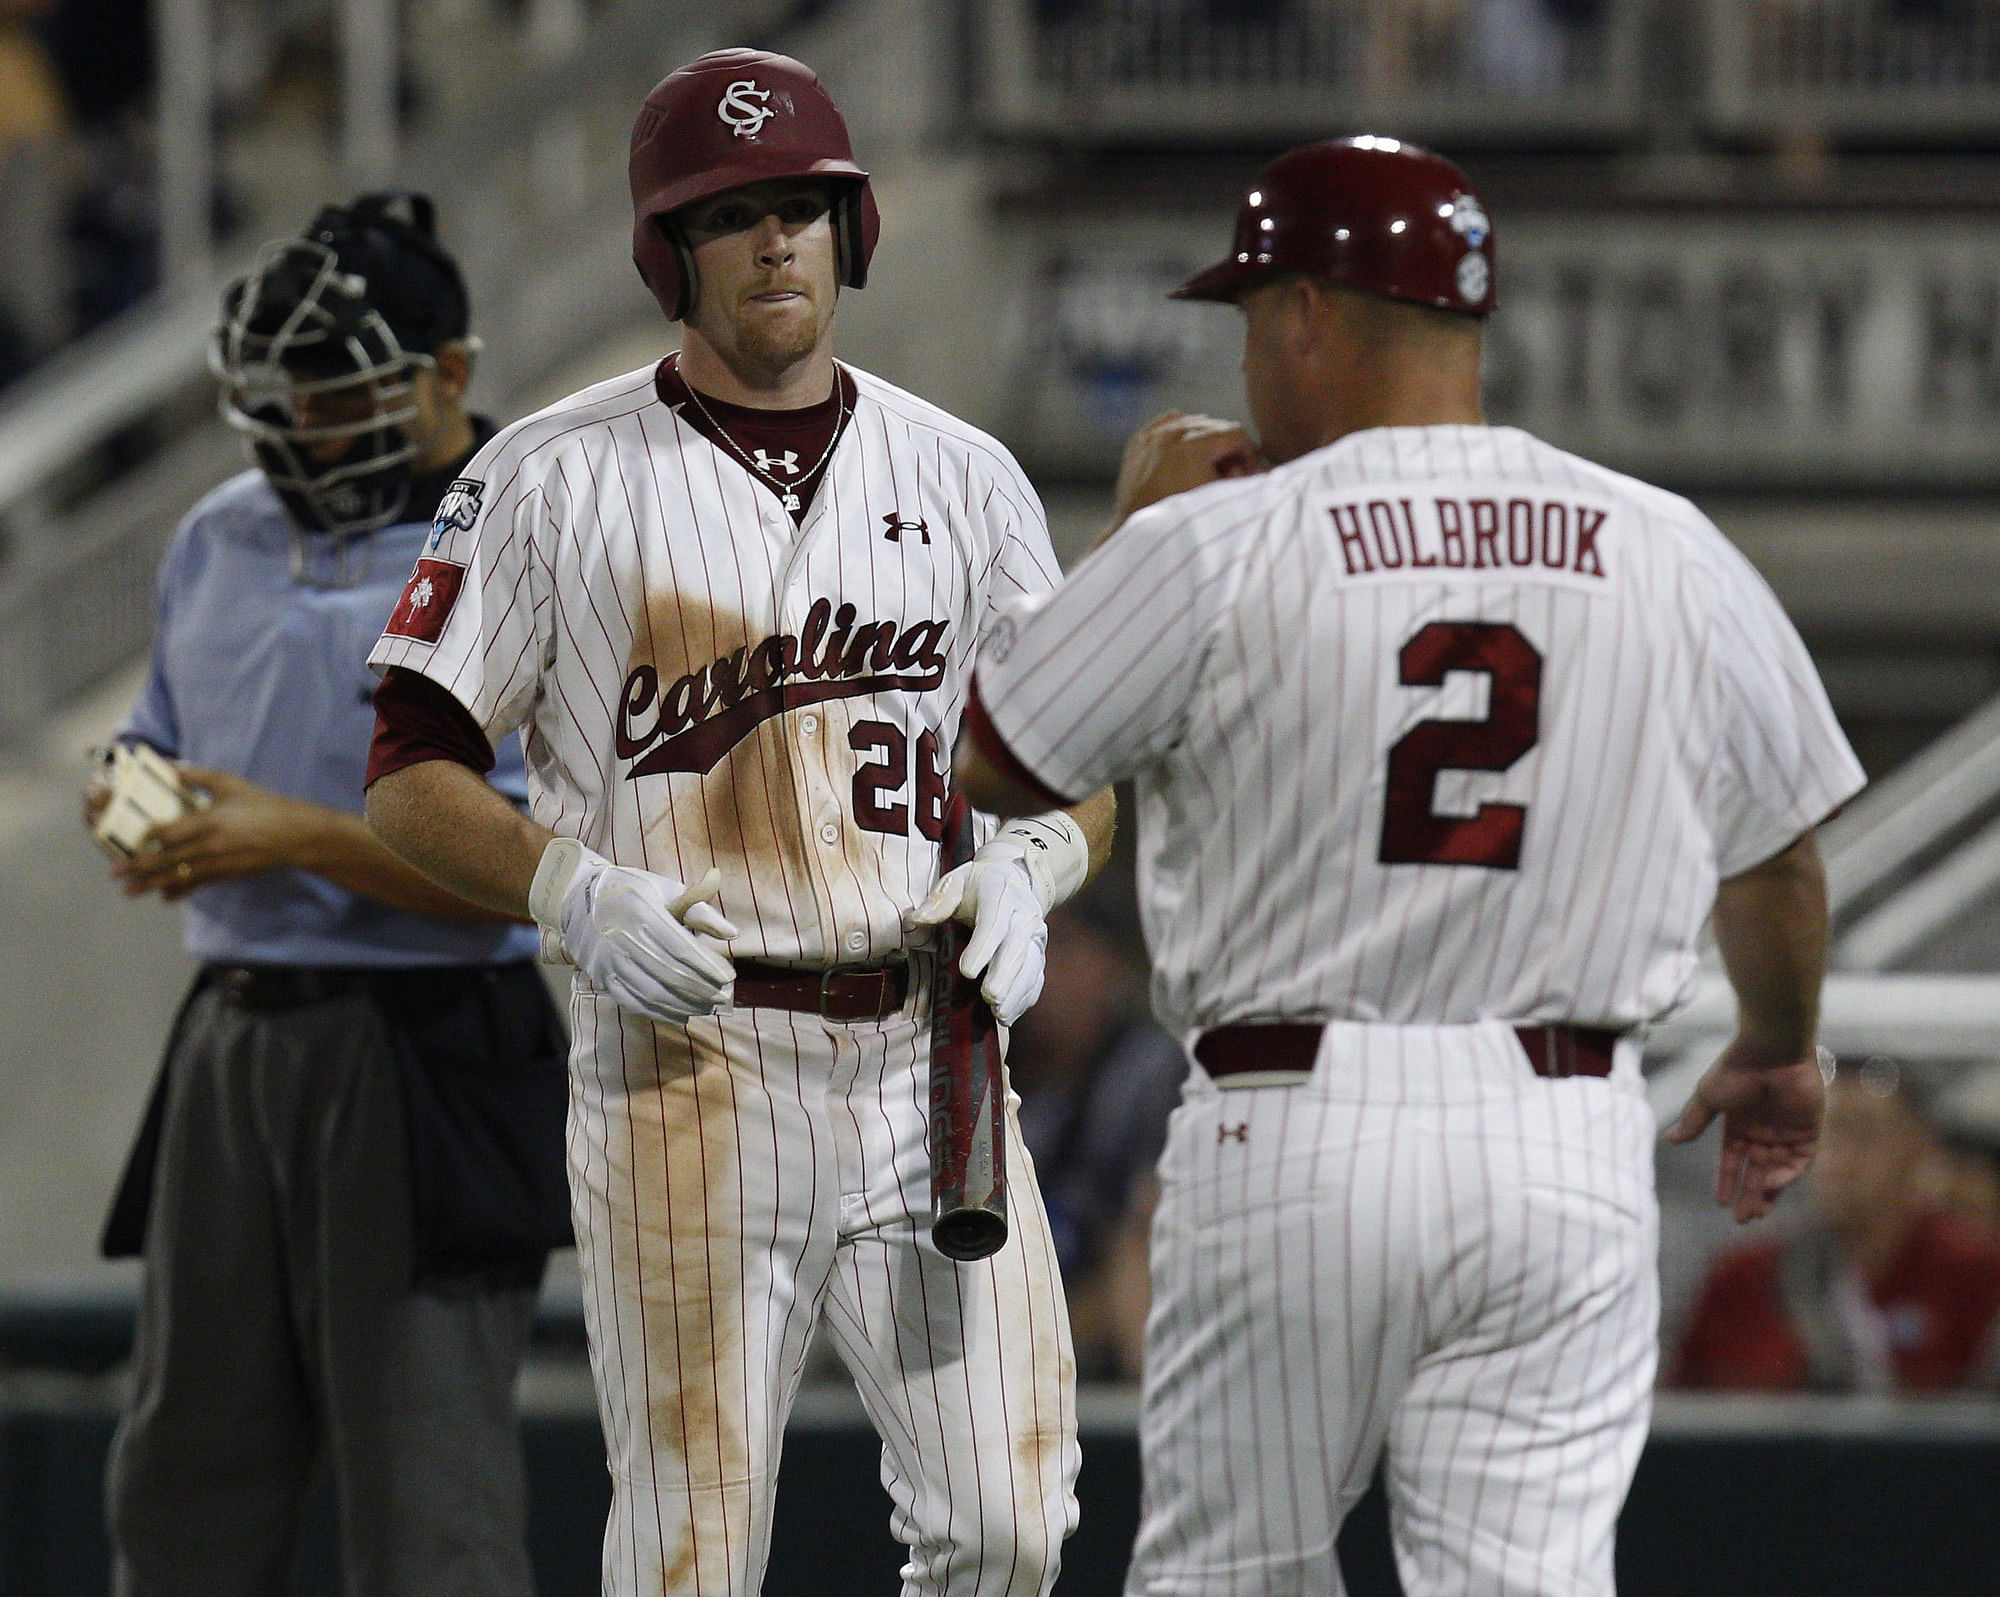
1004, 893
651, 944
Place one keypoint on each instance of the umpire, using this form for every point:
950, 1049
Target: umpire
350, 1174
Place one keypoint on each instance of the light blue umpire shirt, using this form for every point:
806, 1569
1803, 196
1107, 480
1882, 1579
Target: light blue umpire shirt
263, 673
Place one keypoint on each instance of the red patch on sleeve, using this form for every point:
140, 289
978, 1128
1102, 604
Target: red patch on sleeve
426, 603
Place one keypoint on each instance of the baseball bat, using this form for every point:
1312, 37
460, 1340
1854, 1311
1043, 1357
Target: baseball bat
968, 1090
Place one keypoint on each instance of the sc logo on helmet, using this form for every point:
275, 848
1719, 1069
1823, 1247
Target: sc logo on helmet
745, 119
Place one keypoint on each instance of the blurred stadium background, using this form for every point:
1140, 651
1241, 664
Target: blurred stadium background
1750, 249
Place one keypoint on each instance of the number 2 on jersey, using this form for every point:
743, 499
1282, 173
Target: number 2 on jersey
1413, 833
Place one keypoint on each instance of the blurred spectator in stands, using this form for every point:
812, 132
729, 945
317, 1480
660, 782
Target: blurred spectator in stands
103, 50
1517, 46
1883, 1290
1528, 46
33, 122
31, 98
1097, 1081
1968, 1113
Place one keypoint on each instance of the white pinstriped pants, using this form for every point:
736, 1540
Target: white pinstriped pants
733, 1182
1426, 1245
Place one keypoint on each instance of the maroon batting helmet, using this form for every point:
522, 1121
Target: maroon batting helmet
1372, 213
729, 118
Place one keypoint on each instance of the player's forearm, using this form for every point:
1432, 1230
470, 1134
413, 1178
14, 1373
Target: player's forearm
1098, 816
1771, 928
341, 848
445, 820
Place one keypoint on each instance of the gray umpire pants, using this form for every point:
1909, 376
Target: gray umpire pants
278, 1328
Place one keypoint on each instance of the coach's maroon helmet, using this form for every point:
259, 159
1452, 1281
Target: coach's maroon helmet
1374, 214
729, 118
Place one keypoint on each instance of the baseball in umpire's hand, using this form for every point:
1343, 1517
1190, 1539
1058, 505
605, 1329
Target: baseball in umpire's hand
1176, 452
244, 830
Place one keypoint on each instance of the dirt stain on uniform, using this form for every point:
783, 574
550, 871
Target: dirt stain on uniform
689, 1285
743, 816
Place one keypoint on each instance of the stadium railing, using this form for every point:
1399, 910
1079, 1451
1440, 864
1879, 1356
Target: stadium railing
1854, 67
1177, 72
107, 444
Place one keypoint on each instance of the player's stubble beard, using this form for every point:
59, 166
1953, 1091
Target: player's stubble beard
766, 346
760, 343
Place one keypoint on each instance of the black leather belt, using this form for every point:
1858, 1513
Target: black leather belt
842, 992
1293, 1045
272, 987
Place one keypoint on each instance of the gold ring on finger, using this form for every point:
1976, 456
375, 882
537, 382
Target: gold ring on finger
184, 870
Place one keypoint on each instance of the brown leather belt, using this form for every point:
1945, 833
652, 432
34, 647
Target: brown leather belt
851, 992
1293, 1045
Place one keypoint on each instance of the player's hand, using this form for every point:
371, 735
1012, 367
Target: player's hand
1176, 452
1771, 1113
244, 830
994, 895
652, 945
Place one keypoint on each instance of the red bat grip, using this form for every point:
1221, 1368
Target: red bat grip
968, 1089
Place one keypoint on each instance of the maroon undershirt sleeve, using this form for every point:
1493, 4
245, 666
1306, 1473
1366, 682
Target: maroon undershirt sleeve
986, 738
416, 720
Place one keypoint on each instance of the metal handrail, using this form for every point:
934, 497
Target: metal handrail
1910, 1016
539, 218
1914, 810
1141, 69
126, 369
105, 381
1852, 66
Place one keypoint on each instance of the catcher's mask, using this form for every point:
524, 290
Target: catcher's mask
318, 355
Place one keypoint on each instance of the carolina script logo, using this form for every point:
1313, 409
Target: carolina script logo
745, 119
702, 716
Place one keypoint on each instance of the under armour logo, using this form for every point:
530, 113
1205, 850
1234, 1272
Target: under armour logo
898, 525
788, 462
1240, 1131
744, 119
422, 594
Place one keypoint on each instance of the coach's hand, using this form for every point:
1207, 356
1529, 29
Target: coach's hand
995, 895
1176, 452
644, 940
1771, 1113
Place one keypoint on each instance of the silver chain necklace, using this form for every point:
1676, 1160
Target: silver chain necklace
788, 495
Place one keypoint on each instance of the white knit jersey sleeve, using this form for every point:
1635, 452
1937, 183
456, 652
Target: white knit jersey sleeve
1785, 765
1094, 681
476, 616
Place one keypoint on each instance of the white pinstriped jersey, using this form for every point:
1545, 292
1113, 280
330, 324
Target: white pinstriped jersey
698, 682
1432, 725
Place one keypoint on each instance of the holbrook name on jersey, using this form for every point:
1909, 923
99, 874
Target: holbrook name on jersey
1499, 533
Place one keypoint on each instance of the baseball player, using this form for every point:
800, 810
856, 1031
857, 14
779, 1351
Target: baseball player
732, 601
1445, 744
